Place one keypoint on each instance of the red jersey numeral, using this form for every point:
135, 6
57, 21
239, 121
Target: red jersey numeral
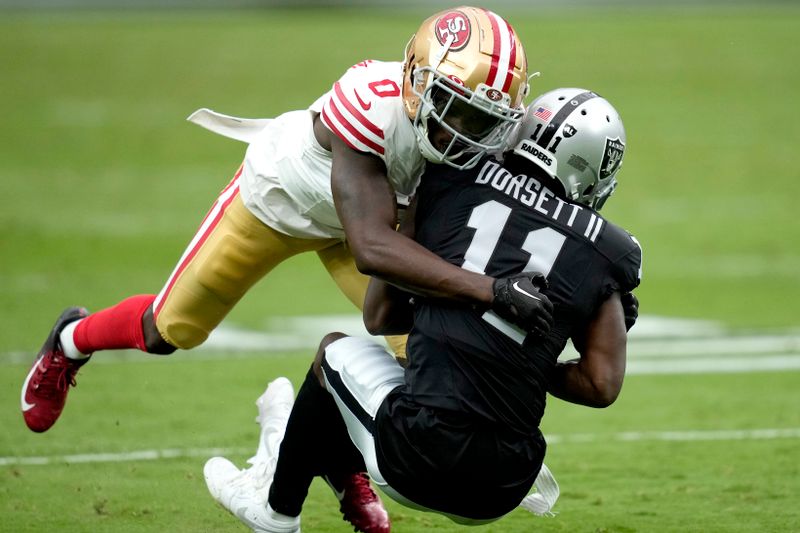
384, 88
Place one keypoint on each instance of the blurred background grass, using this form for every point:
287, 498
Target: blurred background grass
102, 185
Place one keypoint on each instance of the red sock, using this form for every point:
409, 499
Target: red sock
117, 327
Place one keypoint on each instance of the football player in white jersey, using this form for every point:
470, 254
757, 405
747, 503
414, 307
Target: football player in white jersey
324, 179
457, 431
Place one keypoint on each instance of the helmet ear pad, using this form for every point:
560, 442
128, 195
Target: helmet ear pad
578, 138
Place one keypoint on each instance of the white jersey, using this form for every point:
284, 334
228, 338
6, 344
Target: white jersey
286, 176
365, 109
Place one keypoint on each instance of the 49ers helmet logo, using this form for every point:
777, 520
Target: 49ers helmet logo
494, 95
453, 23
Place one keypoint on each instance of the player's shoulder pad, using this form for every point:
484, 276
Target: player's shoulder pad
624, 251
363, 104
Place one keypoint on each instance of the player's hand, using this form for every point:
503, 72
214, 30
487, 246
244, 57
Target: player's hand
518, 299
630, 306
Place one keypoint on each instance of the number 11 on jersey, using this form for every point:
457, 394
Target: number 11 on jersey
543, 244
489, 220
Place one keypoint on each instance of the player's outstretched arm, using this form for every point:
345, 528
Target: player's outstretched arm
365, 203
388, 309
595, 379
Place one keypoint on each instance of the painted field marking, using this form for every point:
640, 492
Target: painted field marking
733, 363
574, 438
122, 457
679, 436
656, 345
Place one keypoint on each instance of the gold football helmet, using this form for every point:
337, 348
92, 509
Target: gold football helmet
464, 79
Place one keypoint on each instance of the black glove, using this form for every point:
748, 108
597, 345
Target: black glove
518, 300
630, 306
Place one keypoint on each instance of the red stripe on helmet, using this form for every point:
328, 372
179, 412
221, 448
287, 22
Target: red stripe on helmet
512, 59
500, 75
490, 80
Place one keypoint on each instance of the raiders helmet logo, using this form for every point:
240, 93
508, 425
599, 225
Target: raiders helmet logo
612, 157
455, 24
569, 131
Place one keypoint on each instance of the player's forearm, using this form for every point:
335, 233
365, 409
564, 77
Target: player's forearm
387, 309
573, 382
596, 378
399, 260
365, 203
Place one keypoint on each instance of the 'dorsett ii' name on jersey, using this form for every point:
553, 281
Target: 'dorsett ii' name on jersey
530, 192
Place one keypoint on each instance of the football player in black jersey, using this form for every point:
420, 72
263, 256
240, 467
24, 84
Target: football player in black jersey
457, 431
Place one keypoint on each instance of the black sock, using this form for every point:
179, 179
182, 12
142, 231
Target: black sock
316, 443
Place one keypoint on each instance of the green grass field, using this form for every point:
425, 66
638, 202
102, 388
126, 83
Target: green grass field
103, 183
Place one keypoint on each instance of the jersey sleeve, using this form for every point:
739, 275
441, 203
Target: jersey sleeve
629, 266
353, 111
624, 255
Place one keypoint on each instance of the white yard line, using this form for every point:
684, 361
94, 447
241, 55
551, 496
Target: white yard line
574, 438
656, 345
679, 436
123, 457
731, 363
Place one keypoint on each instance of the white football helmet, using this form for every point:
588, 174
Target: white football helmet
465, 70
578, 138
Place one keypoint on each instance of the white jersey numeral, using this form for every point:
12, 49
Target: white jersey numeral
489, 220
544, 245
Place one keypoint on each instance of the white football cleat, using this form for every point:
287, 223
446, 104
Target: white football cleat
274, 407
245, 492
542, 501
218, 471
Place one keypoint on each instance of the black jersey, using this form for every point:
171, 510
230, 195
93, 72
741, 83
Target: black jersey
490, 221
475, 384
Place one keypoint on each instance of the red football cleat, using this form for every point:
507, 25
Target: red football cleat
45, 388
360, 505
